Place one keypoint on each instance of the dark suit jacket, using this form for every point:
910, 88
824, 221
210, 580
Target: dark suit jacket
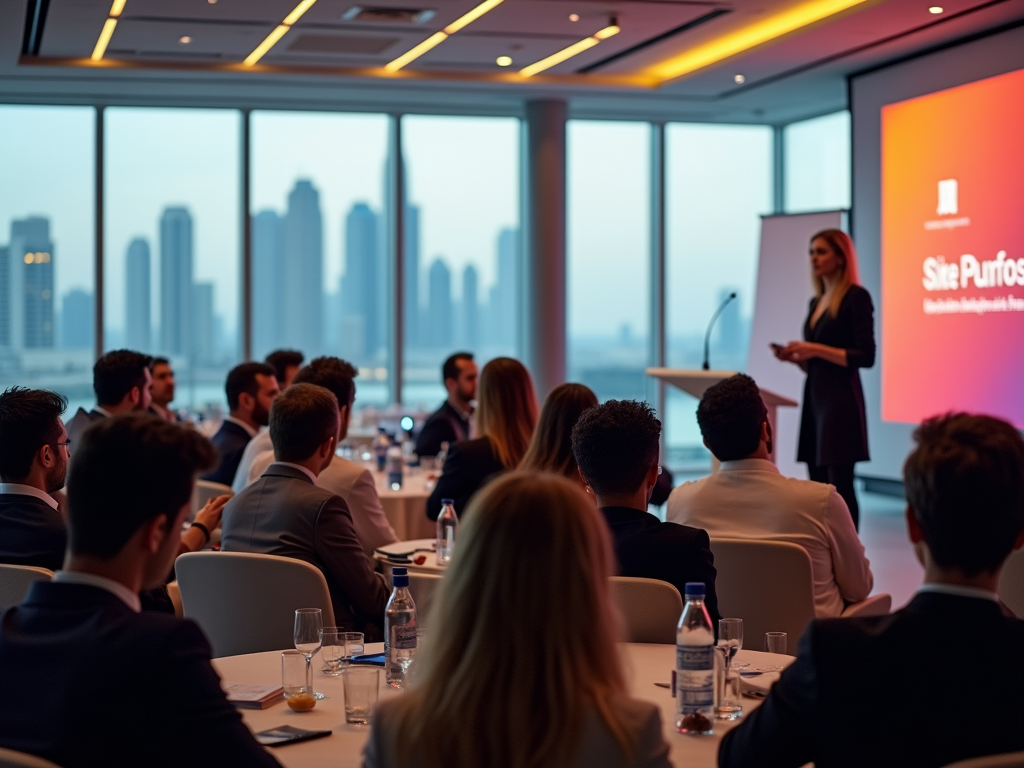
932, 684
31, 532
470, 464
650, 549
78, 423
230, 442
833, 426
89, 682
446, 424
284, 514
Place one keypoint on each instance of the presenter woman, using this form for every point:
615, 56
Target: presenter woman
839, 339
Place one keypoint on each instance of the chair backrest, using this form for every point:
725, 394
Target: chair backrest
649, 608
11, 759
203, 491
1009, 760
422, 587
246, 603
768, 584
15, 581
1011, 583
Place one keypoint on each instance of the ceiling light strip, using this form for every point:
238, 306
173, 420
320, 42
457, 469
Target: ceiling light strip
439, 37
278, 33
116, 9
573, 50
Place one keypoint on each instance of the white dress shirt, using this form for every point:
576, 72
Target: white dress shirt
958, 590
251, 430
259, 444
750, 499
28, 490
128, 597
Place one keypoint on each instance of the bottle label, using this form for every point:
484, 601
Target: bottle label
403, 638
695, 677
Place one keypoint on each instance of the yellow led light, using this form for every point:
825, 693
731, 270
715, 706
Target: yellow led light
472, 16
748, 37
266, 45
297, 12
435, 39
104, 40
607, 32
117, 7
567, 53
503, 61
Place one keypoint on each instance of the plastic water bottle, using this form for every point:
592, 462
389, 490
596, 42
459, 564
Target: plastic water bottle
395, 467
447, 526
381, 443
695, 666
399, 630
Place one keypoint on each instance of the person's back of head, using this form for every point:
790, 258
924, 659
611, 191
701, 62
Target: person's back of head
965, 489
551, 447
331, 373
285, 361
530, 577
507, 408
117, 374
731, 415
303, 419
616, 444
243, 379
29, 430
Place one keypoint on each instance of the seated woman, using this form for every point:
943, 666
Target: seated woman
551, 447
469, 702
505, 417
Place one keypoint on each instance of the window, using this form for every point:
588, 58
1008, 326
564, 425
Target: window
462, 246
718, 184
817, 156
47, 243
608, 180
172, 255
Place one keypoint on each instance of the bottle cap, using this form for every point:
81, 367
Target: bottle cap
693, 589
400, 577
447, 501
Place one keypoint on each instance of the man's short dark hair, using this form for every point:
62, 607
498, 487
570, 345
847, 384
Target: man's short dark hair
283, 359
730, 415
965, 483
615, 445
158, 361
450, 369
333, 374
242, 378
301, 419
116, 373
127, 470
28, 421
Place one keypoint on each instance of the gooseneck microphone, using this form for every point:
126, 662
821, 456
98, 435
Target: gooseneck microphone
711, 325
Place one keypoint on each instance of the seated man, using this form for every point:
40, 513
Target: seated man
250, 389
121, 381
162, 389
286, 363
62, 649
285, 513
616, 446
346, 478
749, 499
450, 422
892, 690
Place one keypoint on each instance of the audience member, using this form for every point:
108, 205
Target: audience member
286, 363
551, 447
450, 423
285, 513
616, 446
749, 499
524, 534
162, 389
250, 388
63, 649
121, 381
345, 478
506, 416
888, 690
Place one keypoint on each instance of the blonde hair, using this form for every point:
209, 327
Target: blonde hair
527, 648
506, 409
842, 244
551, 447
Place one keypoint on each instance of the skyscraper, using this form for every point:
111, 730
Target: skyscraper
505, 292
267, 282
203, 326
411, 306
137, 317
77, 320
6, 298
176, 281
470, 319
31, 289
360, 335
303, 290
439, 322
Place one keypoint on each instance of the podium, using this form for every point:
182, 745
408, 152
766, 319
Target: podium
696, 383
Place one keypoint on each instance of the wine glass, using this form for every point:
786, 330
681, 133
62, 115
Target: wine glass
309, 625
730, 640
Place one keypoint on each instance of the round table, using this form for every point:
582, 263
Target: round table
406, 508
644, 664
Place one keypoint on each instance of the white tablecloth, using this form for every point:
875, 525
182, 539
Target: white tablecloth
406, 508
645, 665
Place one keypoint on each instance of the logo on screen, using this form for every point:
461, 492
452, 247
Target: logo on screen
948, 194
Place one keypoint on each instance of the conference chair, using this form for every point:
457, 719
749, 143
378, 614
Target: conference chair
422, 587
15, 581
203, 491
174, 593
1011, 583
650, 609
1008, 760
769, 585
11, 759
245, 602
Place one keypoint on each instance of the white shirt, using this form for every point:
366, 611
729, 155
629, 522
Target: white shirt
304, 470
259, 444
958, 590
750, 499
128, 597
242, 424
28, 490
104, 411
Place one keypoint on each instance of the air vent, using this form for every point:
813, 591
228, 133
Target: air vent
342, 44
388, 15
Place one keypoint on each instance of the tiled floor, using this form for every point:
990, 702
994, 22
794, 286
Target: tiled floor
884, 533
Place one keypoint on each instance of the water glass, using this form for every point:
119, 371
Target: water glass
297, 681
353, 646
332, 644
362, 684
728, 696
774, 642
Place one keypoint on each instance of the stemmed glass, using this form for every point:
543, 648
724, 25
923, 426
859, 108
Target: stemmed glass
309, 625
730, 640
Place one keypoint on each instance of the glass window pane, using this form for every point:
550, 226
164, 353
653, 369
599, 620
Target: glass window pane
718, 184
318, 219
817, 156
609, 256
462, 245
172, 251
47, 237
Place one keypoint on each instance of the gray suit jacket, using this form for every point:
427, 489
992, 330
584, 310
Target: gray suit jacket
284, 513
78, 423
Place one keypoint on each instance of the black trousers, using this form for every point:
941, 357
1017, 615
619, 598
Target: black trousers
841, 476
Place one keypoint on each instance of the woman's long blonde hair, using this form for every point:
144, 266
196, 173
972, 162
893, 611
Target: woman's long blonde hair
551, 447
522, 644
506, 409
842, 244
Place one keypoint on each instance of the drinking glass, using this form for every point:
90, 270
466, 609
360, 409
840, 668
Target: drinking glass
362, 685
332, 644
309, 623
353, 647
730, 640
297, 681
774, 642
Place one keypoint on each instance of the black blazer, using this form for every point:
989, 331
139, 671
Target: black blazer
230, 442
833, 426
31, 532
445, 424
89, 682
932, 684
470, 464
647, 548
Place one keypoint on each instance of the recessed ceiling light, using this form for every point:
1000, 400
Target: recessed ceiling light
184, 39
740, 79
212, 2
574, 17
936, 9
503, 61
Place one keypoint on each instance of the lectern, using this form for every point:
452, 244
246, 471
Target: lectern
696, 383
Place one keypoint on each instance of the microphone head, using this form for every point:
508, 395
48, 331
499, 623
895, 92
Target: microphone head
732, 295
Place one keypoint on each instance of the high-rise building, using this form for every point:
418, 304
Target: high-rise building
302, 282
359, 311
137, 316
412, 307
469, 335
6, 298
77, 320
31, 263
176, 281
203, 325
439, 322
267, 282
503, 314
